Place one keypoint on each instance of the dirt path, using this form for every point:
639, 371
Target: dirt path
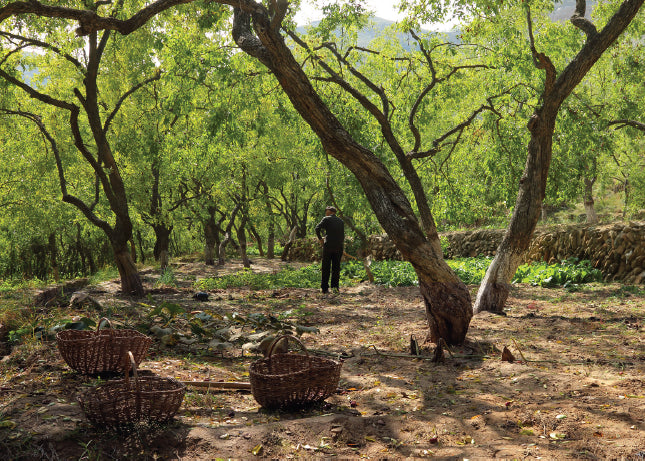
575, 389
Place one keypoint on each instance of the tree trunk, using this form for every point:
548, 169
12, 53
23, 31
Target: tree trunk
133, 250
590, 211
53, 254
287, 246
162, 244
271, 240
495, 287
130, 280
258, 239
270, 224
241, 237
227, 236
447, 299
211, 238
141, 252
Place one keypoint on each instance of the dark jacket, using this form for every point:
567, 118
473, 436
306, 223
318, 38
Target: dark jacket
334, 228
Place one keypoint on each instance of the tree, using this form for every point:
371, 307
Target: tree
494, 289
58, 95
257, 31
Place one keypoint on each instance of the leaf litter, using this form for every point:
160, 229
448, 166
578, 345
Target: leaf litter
573, 390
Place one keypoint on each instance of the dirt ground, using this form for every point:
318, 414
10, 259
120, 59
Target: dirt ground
574, 391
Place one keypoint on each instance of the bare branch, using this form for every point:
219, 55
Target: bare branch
459, 128
88, 20
578, 19
119, 103
34, 42
68, 198
625, 122
540, 60
34, 93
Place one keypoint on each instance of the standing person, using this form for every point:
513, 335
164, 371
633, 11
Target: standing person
334, 228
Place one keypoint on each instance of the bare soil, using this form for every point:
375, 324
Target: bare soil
575, 389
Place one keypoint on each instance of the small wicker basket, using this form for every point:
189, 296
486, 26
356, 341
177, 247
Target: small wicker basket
125, 404
288, 381
101, 351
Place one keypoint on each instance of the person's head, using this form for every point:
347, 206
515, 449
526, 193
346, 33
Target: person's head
330, 210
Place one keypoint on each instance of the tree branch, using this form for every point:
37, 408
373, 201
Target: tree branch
625, 122
540, 60
34, 42
89, 21
578, 20
68, 198
119, 103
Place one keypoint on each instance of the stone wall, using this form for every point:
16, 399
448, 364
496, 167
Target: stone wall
617, 249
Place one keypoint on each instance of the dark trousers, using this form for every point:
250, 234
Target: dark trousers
330, 263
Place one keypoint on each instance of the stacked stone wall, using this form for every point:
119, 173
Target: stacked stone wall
617, 249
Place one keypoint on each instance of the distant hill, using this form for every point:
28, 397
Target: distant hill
562, 12
377, 26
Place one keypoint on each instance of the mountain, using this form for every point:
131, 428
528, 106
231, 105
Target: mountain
378, 25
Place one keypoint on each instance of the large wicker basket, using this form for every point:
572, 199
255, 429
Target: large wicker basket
101, 351
287, 381
125, 404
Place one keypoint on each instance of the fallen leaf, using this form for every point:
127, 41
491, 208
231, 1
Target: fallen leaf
257, 450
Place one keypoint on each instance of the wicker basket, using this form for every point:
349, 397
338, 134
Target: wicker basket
125, 404
287, 381
101, 351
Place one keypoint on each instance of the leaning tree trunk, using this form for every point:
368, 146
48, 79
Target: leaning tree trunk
130, 279
447, 300
495, 287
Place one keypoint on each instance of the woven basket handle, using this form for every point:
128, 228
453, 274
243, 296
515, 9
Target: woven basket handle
137, 393
130, 363
98, 325
281, 337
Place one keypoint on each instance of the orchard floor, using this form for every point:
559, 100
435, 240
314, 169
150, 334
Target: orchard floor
574, 391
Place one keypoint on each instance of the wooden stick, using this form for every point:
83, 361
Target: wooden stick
215, 385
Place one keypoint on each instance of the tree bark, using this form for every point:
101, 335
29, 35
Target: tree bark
227, 237
53, 254
590, 211
211, 238
241, 238
162, 244
494, 289
130, 279
447, 299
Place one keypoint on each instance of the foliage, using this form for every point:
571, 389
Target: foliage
400, 273
216, 132
565, 274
